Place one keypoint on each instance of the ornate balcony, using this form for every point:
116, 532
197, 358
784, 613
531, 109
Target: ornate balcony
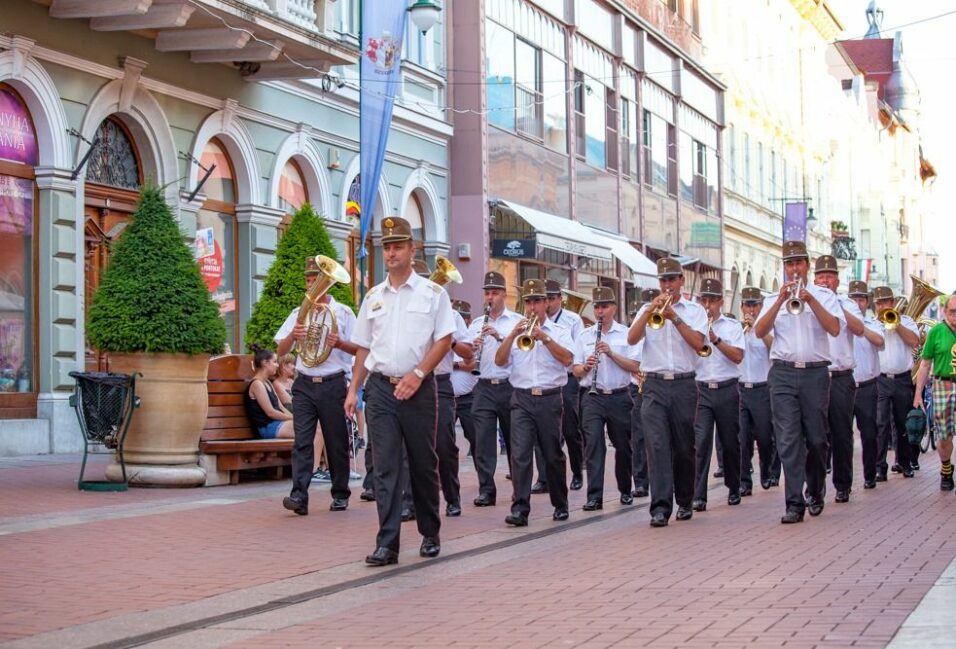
843, 248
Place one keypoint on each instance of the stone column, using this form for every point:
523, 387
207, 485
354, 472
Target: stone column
258, 237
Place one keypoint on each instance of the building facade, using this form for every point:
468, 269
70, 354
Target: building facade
586, 144
240, 111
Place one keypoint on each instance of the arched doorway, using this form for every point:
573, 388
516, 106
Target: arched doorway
113, 178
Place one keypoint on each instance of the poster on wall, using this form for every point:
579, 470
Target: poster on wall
16, 232
17, 140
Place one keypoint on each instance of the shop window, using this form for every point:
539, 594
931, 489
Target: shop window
114, 161
18, 156
216, 240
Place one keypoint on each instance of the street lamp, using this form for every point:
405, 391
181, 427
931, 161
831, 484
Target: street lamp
424, 14
811, 219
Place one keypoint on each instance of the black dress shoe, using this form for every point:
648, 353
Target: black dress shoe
881, 476
339, 505
658, 520
627, 499
539, 487
915, 465
382, 557
719, 473
484, 500
774, 482
367, 495
733, 499
684, 513
896, 468
431, 546
507, 476
560, 514
407, 515
593, 505
815, 506
842, 496
908, 473
295, 505
699, 505
576, 483
765, 484
452, 509
791, 517
640, 492
746, 491
516, 520
946, 482
869, 484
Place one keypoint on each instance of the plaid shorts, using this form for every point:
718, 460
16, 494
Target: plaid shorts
944, 408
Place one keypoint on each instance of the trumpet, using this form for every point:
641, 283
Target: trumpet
656, 321
795, 304
526, 341
891, 317
748, 324
707, 350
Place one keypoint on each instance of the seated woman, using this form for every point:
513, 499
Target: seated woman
268, 416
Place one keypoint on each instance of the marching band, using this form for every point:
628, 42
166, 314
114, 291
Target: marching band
790, 377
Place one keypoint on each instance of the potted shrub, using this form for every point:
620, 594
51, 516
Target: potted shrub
154, 317
839, 229
285, 283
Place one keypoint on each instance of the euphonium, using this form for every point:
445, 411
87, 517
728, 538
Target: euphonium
318, 317
707, 350
656, 321
526, 341
795, 304
445, 272
576, 302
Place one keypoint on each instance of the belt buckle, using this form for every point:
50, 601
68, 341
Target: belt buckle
713, 386
800, 365
536, 392
668, 376
317, 379
606, 391
394, 380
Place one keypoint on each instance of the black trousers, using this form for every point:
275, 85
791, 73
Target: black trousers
614, 412
313, 404
864, 409
798, 398
463, 415
756, 426
893, 402
490, 409
445, 443
390, 424
638, 454
536, 420
840, 423
720, 407
572, 430
667, 415
369, 481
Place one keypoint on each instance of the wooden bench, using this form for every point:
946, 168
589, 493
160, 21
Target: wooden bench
229, 444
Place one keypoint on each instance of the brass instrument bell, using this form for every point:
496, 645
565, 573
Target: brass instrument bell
526, 341
445, 272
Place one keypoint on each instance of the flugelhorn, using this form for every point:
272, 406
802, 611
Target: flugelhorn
445, 272
318, 315
794, 303
526, 341
656, 321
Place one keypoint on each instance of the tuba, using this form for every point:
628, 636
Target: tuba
445, 272
318, 316
526, 341
920, 298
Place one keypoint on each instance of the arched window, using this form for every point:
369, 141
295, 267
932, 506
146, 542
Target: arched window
216, 245
114, 161
750, 279
292, 190
763, 283
415, 215
776, 285
18, 157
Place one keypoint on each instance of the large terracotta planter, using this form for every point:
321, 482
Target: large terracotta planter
162, 446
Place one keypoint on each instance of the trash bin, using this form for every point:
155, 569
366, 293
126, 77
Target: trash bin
104, 403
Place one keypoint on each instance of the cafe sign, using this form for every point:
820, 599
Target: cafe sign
513, 248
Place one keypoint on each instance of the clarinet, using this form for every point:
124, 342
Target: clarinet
477, 369
597, 358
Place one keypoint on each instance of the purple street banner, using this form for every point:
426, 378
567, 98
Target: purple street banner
795, 222
383, 27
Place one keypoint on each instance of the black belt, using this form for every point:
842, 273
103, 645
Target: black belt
716, 385
863, 384
604, 391
751, 386
443, 377
801, 365
493, 381
670, 376
325, 379
539, 392
394, 380
901, 375
948, 379
840, 372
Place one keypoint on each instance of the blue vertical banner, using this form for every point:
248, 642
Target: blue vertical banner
795, 222
383, 27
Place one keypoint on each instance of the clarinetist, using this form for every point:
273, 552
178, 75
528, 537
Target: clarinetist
603, 362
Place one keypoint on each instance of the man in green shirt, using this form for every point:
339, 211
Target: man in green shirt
938, 355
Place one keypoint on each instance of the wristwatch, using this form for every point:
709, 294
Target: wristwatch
677, 321
418, 373
546, 340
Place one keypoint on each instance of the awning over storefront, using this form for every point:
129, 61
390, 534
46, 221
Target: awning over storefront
643, 269
558, 233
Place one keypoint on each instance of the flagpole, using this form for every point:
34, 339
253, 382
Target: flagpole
362, 258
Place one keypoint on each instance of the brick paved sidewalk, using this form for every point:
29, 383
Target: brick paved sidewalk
106, 566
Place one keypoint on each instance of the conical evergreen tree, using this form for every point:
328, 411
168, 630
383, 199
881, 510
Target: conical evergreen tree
152, 297
285, 282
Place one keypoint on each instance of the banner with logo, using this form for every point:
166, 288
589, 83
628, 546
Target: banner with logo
795, 222
383, 27
513, 248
